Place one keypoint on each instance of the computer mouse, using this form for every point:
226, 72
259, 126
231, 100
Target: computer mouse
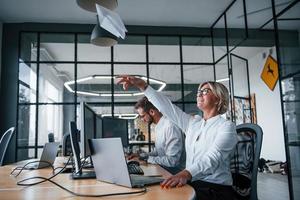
133, 162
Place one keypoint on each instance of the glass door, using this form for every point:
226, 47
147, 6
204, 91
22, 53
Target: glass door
243, 102
289, 54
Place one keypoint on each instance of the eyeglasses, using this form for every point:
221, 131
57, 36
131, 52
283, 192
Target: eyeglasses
203, 92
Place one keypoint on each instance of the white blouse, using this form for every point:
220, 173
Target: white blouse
209, 143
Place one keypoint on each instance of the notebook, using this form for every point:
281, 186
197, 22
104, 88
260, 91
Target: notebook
48, 155
110, 164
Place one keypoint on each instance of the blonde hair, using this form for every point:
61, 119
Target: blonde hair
221, 92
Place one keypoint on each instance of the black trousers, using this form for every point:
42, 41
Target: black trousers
212, 191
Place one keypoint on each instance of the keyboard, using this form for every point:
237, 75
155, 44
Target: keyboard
135, 169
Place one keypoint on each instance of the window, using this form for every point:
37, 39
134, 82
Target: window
49, 96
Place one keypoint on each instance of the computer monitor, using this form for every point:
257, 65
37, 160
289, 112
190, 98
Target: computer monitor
88, 128
115, 127
78, 174
75, 146
98, 127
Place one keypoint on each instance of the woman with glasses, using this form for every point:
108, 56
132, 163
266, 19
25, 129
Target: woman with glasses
209, 142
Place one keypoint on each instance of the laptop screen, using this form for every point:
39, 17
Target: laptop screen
109, 161
49, 153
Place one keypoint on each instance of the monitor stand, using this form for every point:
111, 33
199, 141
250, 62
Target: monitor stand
78, 173
84, 175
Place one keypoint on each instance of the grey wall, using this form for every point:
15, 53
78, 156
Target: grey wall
9, 85
268, 110
0, 50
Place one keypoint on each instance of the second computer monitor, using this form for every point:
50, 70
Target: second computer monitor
98, 127
115, 127
94, 126
88, 128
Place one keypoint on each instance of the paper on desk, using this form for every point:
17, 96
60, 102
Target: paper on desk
111, 22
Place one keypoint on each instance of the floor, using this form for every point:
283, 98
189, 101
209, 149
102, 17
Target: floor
272, 186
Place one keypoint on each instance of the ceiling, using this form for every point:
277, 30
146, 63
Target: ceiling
185, 13
188, 13
133, 12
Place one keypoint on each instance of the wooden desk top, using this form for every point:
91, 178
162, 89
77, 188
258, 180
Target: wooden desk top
47, 191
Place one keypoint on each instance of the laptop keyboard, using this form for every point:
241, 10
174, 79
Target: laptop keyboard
135, 169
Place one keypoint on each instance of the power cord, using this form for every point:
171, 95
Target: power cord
144, 190
84, 162
25, 167
43, 179
21, 182
70, 159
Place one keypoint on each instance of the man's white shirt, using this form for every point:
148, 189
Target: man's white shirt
169, 145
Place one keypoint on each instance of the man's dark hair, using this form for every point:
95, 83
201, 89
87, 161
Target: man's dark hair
145, 104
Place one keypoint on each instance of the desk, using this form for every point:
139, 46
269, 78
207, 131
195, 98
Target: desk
47, 191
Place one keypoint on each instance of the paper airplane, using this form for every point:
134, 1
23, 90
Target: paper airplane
111, 22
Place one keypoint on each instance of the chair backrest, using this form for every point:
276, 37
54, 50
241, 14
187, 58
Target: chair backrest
51, 137
244, 164
5, 139
66, 145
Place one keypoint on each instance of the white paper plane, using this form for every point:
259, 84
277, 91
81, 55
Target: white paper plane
111, 21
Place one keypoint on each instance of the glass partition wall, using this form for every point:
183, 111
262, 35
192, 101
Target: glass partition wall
287, 19
57, 71
278, 27
229, 32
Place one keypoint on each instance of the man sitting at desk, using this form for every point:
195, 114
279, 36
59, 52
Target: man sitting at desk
169, 149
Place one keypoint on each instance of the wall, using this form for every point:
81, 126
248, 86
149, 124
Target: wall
0, 51
268, 108
9, 85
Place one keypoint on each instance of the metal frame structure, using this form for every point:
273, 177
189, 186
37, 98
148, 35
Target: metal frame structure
275, 18
112, 63
282, 77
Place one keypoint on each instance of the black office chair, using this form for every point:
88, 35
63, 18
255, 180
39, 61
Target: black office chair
4, 142
244, 164
66, 145
51, 137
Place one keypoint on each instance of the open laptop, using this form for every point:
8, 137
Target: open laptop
110, 164
49, 154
